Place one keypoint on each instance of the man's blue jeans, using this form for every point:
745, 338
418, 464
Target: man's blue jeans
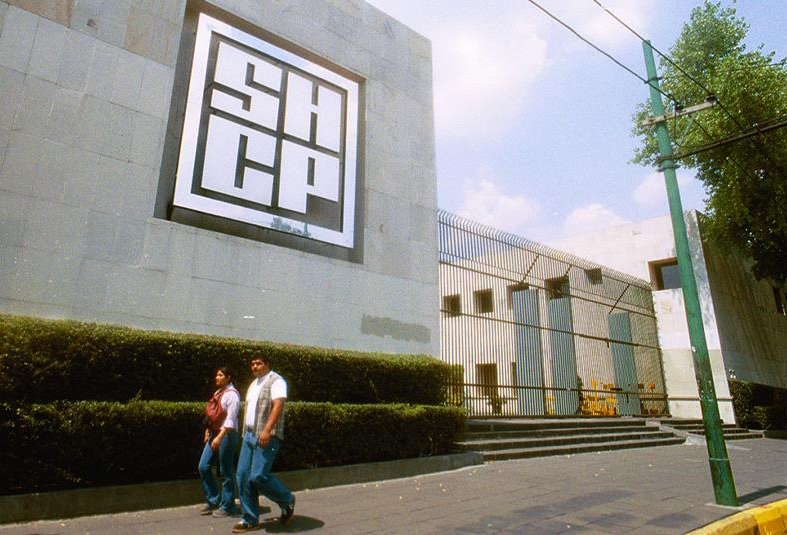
226, 460
254, 477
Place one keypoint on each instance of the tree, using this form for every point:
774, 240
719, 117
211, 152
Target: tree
746, 180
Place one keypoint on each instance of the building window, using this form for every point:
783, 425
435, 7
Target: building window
519, 287
594, 275
664, 274
484, 302
452, 305
781, 306
557, 288
486, 379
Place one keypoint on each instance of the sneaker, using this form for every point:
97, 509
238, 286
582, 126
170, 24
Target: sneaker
207, 510
220, 513
287, 512
243, 527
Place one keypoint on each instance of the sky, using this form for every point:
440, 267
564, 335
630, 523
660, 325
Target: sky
533, 126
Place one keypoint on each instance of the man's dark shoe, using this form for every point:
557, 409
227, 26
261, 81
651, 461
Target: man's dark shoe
243, 527
207, 510
287, 512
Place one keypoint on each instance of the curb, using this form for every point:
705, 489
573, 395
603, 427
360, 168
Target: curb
126, 498
770, 518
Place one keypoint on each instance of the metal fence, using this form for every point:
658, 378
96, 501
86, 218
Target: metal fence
533, 331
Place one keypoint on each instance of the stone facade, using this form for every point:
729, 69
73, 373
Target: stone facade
87, 97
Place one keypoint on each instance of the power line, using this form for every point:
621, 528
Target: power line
588, 42
757, 130
758, 145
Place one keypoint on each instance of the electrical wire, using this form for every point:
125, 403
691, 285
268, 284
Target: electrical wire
758, 145
608, 55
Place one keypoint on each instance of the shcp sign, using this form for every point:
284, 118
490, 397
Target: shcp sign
269, 137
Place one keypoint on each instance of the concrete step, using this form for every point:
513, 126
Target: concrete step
474, 426
735, 434
555, 431
524, 453
488, 445
695, 427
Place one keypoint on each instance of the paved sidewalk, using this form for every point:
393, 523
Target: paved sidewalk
652, 491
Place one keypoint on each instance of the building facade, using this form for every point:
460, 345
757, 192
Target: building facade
534, 331
254, 169
744, 319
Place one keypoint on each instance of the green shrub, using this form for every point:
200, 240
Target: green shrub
67, 444
88, 443
768, 418
741, 401
49, 360
759, 406
321, 434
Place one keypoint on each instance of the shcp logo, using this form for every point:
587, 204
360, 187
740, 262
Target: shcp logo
269, 138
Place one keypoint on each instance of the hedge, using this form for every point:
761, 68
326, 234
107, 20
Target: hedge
759, 406
73, 444
48, 360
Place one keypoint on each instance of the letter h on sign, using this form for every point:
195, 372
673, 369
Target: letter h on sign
269, 138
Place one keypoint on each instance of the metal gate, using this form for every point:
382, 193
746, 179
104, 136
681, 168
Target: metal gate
533, 331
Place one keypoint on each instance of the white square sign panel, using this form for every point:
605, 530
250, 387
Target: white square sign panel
269, 138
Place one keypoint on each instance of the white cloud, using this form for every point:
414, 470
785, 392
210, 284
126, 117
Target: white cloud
485, 202
482, 76
589, 218
600, 28
652, 192
486, 59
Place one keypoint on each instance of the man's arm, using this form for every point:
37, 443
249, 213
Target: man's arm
276, 410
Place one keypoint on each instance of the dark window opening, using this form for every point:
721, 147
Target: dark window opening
484, 302
452, 305
557, 288
486, 378
594, 275
665, 275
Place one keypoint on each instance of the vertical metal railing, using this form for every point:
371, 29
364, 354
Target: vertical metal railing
533, 331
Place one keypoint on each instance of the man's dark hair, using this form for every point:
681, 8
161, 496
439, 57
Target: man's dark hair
260, 356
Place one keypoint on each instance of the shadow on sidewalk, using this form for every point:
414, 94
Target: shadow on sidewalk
746, 498
296, 524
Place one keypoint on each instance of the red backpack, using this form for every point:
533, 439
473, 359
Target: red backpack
214, 412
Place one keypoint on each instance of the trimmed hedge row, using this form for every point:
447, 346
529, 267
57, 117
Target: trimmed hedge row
74, 444
759, 406
48, 360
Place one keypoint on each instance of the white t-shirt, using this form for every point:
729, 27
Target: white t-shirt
278, 390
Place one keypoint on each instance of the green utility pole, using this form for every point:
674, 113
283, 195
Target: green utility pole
721, 472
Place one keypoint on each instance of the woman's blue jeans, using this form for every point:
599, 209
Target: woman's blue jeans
225, 457
254, 478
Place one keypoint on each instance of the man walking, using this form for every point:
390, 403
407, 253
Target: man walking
263, 432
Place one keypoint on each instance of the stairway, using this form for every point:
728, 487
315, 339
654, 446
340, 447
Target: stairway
694, 427
499, 440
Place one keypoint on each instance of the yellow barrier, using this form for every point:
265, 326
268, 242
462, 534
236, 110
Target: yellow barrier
770, 519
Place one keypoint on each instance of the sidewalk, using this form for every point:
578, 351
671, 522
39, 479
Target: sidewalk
652, 491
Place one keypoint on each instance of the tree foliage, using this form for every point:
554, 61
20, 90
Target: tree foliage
745, 181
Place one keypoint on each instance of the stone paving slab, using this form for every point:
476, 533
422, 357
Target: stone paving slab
665, 490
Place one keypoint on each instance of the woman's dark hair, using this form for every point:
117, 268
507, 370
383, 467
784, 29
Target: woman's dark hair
225, 370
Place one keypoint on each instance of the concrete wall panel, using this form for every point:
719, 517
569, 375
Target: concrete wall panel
87, 93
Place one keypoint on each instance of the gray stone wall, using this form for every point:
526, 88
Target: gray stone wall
86, 93
752, 330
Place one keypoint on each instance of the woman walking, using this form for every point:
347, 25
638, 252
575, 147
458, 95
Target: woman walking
221, 441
